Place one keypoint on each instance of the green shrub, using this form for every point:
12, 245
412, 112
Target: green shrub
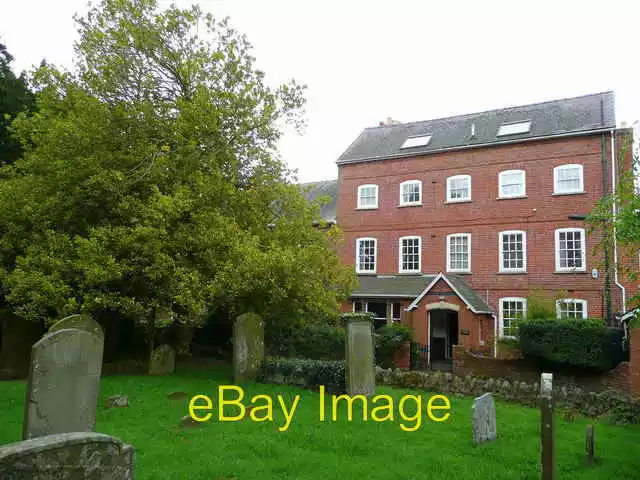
319, 342
305, 372
576, 342
388, 339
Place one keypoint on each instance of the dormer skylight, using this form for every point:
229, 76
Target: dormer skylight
514, 128
417, 141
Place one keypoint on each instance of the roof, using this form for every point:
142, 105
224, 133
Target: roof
327, 188
416, 287
587, 114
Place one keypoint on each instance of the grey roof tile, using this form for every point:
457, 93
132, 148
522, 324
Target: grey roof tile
587, 113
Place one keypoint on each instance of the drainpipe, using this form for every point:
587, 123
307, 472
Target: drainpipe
614, 212
495, 335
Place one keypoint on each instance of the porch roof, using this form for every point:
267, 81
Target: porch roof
416, 287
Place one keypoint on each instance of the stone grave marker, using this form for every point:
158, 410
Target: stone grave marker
116, 401
63, 384
80, 322
248, 347
360, 364
590, 452
547, 428
484, 419
163, 360
68, 456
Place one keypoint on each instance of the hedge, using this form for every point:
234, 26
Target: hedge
305, 373
318, 342
576, 342
388, 339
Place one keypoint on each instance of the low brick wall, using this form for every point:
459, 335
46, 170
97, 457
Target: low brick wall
518, 369
634, 362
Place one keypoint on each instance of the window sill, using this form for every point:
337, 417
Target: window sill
565, 272
403, 205
454, 272
448, 202
520, 272
410, 273
512, 198
556, 194
367, 208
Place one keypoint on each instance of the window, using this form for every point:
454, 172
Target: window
512, 310
570, 250
409, 257
395, 312
512, 184
571, 308
459, 188
568, 179
513, 128
513, 251
459, 252
411, 192
368, 196
417, 141
379, 310
357, 307
366, 255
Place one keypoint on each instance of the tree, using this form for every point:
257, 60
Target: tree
15, 97
623, 227
150, 175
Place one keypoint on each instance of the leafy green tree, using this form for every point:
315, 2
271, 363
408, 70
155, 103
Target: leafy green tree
624, 226
15, 97
149, 178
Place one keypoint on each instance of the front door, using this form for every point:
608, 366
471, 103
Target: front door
443, 334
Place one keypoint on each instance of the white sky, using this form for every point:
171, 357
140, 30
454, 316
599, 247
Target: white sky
412, 60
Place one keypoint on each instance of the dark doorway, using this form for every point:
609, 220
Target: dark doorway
443, 334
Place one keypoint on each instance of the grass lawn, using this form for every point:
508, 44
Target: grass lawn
310, 449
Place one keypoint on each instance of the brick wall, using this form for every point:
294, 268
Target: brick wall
634, 362
539, 214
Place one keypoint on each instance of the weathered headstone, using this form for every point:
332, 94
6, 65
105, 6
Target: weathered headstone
547, 427
484, 419
163, 360
188, 422
80, 322
68, 456
248, 347
177, 395
63, 385
589, 456
360, 365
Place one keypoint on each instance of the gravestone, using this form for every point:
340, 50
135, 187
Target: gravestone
484, 419
116, 401
547, 428
589, 456
248, 347
80, 322
163, 360
68, 456
63, 385
360, 368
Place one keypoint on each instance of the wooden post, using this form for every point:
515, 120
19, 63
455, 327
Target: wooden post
547, 427
589, 446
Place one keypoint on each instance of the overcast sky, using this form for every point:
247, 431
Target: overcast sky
412, 60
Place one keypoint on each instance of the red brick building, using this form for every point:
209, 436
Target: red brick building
452, 223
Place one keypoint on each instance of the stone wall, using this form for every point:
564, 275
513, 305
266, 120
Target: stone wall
621, 408
67, 456
515, 368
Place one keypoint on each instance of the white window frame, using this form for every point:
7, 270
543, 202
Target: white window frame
501, 267
584, 303
584, 250
375, 255
514, 128
407, 183
458, 270
458, 177
400, 255
557, 169
501, 309
366, 207
503, 174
